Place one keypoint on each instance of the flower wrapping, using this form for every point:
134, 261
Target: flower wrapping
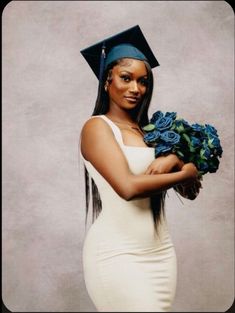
196, 143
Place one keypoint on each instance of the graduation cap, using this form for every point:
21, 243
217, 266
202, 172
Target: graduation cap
130, 43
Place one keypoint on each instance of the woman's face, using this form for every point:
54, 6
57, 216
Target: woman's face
128, 84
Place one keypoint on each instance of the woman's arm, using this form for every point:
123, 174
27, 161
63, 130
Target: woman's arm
171, 163
100, 148
165, 164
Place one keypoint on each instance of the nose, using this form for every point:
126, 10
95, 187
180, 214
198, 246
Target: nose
134, 87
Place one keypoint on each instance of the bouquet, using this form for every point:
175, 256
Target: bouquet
194, 143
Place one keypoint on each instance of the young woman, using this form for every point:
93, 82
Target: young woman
128, 257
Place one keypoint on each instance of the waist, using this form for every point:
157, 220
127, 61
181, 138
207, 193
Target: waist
104, 246
136, 231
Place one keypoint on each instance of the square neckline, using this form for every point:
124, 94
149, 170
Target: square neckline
120, 133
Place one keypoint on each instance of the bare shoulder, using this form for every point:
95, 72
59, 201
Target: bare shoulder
93, 123
93, 127
95, 132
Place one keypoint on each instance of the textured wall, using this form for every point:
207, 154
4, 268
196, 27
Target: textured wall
48, 93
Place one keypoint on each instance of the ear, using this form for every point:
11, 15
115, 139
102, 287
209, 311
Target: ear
106, 85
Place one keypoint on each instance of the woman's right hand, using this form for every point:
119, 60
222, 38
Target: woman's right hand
164, 164
190, 171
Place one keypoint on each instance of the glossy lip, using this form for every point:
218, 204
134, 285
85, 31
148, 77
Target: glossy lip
132, 99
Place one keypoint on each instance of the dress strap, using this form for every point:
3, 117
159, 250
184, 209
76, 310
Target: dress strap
116, 130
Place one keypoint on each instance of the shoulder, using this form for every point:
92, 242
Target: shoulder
92, 122
94, 126
94, 134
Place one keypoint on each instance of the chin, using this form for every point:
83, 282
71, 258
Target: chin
131, 105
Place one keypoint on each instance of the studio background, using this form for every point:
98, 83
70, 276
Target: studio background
48, 93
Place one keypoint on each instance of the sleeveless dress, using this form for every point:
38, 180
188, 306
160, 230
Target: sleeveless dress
128, 266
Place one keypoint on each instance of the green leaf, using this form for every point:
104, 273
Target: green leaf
149, 127
180, 154
202, 151
186, 137
192, 149
210, 143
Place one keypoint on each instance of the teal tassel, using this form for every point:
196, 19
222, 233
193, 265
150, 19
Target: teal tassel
102, 59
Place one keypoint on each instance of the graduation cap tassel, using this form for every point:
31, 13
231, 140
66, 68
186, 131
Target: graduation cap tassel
102, 59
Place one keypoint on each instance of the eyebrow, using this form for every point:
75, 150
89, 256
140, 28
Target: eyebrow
131, 73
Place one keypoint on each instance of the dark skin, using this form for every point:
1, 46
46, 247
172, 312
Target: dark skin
98, 145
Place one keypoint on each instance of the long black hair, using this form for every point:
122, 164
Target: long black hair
140, 116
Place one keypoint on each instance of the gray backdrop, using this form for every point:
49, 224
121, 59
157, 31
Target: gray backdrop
48, 93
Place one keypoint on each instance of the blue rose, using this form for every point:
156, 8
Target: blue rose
171, 115
213, 141
203, 167
195, 142
156, 116
164, 123
197, 127
151, 137
181, 126
205, 152
210, 130
170, 136
162, 148
198, 131
218, 151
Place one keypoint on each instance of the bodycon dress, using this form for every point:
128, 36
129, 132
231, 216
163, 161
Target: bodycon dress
128, 267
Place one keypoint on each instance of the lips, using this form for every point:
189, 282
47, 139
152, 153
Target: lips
132, 99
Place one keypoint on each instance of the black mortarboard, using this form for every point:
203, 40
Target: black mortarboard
129, 43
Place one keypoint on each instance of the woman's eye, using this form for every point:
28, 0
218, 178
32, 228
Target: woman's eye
125, 78
144, 82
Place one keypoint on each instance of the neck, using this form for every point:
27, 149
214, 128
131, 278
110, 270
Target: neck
119, 115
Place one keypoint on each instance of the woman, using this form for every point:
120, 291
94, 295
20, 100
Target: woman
128, 257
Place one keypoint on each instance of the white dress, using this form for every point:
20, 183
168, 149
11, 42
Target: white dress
128, 267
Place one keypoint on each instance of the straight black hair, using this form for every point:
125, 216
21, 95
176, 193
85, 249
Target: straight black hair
140, 115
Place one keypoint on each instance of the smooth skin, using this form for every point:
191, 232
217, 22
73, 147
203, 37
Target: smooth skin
99, 146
